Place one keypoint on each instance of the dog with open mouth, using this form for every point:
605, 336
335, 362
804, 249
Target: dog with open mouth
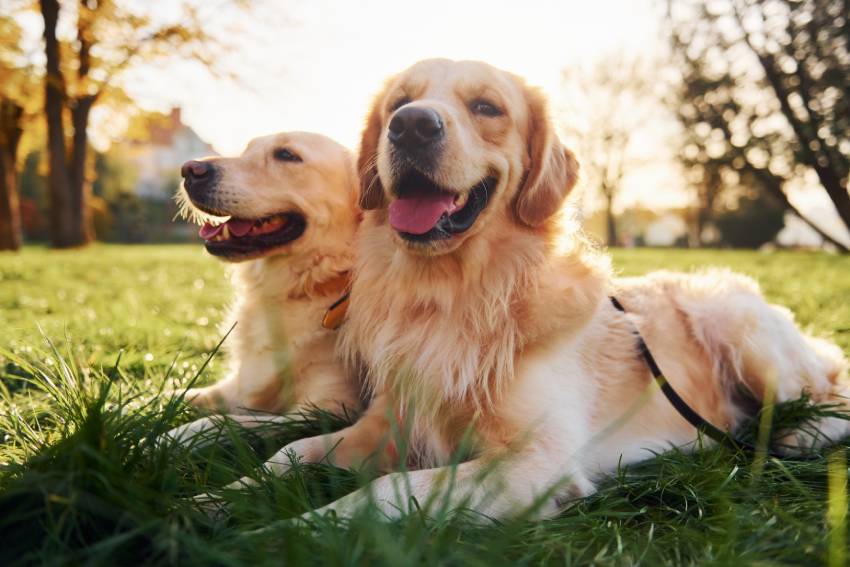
285, 214
487, 330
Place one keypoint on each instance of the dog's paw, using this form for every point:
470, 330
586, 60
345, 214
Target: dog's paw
197, 434
205, 398
212, 506
298, 522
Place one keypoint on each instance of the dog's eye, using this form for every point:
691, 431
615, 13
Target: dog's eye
399, 103
282, 154
485, 108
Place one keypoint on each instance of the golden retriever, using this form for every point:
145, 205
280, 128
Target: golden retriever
478, 323
285, 213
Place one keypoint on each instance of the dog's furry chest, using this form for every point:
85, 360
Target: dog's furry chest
439, 367
277, 333
435, 355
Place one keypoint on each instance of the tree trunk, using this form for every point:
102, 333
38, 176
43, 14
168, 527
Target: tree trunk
610, 221
612, 225
80, 110
10, 209
774, 188
80, 189
707, 194
703, 216
62, 233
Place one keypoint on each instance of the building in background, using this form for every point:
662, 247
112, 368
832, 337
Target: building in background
135, 180
157, 145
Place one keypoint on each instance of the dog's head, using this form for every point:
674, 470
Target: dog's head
450, 145
285, 190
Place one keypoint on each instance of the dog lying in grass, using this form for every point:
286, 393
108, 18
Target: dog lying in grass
484, 325
285, 213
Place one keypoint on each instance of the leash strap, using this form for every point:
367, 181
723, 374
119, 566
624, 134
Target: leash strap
680, 405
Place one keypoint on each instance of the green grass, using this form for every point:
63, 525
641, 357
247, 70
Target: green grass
83, 481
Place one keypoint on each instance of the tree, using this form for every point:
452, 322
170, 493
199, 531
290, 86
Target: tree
762, 96
10, 211
110, 37
16, 86
752, 222
607, 105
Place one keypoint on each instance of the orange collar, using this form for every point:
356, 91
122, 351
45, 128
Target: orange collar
339, 286
335, 315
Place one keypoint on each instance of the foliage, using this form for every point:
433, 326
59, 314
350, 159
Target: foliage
17, 102
35, 202
119, 216
84, 482
761, 97
751, 223
114, 173
16, 73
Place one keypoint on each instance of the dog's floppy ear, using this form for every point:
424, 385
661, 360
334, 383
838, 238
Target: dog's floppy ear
371, 191
552, 171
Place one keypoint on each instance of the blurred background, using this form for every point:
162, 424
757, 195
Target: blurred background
723, 123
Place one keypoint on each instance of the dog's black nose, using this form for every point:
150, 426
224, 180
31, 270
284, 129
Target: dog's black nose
415, 127
193, 170
199, 179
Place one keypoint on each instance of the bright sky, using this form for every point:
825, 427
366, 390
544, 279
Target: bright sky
315, 65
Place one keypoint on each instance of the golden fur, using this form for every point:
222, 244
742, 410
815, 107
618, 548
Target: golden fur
500, 337
281, 358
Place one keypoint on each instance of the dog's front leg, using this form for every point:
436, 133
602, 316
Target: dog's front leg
225, 396
369, 439
526, 483
210, 429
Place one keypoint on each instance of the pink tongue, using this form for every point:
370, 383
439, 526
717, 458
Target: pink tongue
209, 231
418, 215
239, 227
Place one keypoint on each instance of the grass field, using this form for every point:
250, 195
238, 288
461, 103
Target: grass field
83, 482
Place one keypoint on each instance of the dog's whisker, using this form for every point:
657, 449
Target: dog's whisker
187, 211
369, 164
372, 183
